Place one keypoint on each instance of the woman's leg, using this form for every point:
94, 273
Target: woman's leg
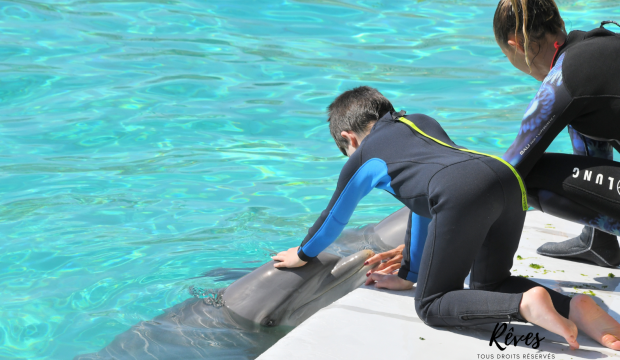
592, 184
585, 190
592, 245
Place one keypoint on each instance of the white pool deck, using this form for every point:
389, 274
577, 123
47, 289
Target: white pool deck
378, 324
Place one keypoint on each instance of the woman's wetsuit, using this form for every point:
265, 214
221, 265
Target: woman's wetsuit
582, 91
477, 211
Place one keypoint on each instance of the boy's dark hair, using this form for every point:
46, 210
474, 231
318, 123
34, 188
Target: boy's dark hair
354, 110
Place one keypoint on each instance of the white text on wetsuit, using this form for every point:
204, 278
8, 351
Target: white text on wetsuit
598, 179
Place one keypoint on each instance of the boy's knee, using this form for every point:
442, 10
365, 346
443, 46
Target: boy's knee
422, 308
427, 310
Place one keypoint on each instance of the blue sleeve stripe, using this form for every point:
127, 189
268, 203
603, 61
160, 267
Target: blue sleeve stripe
419, 233
373, 173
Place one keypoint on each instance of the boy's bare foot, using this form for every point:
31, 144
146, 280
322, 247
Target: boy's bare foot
537, 308
594, 321
391, 282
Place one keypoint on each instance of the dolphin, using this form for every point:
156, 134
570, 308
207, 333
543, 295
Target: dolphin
271, 297
246, 318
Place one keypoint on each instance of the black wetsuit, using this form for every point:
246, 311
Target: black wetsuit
477, 211
582, 91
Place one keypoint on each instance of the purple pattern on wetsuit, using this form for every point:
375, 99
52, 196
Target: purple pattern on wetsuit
578, 142
583, 145
538, 114
605, 223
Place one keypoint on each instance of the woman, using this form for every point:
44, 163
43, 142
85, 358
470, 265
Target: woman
581, 91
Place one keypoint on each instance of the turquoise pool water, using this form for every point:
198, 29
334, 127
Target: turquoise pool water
149, 146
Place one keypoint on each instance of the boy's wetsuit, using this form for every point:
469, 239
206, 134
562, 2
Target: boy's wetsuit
476, 207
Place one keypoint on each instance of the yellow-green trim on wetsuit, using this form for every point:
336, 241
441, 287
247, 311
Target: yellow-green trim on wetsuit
523, 191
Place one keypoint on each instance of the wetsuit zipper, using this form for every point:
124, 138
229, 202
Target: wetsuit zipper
473, 317
514, 171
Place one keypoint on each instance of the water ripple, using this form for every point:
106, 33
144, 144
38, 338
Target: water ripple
153, 146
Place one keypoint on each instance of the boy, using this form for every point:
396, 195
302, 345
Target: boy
477, 206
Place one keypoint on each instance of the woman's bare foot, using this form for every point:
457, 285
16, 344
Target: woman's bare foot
391, 282
594, 321
537, 308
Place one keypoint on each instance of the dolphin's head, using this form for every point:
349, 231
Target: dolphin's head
272, 297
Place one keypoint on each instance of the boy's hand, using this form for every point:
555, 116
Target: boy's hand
393, 257
288, 259
389, 281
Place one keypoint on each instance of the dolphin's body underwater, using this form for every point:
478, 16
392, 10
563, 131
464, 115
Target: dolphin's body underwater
258, 309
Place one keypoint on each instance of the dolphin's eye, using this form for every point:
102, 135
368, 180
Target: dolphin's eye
268, 322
